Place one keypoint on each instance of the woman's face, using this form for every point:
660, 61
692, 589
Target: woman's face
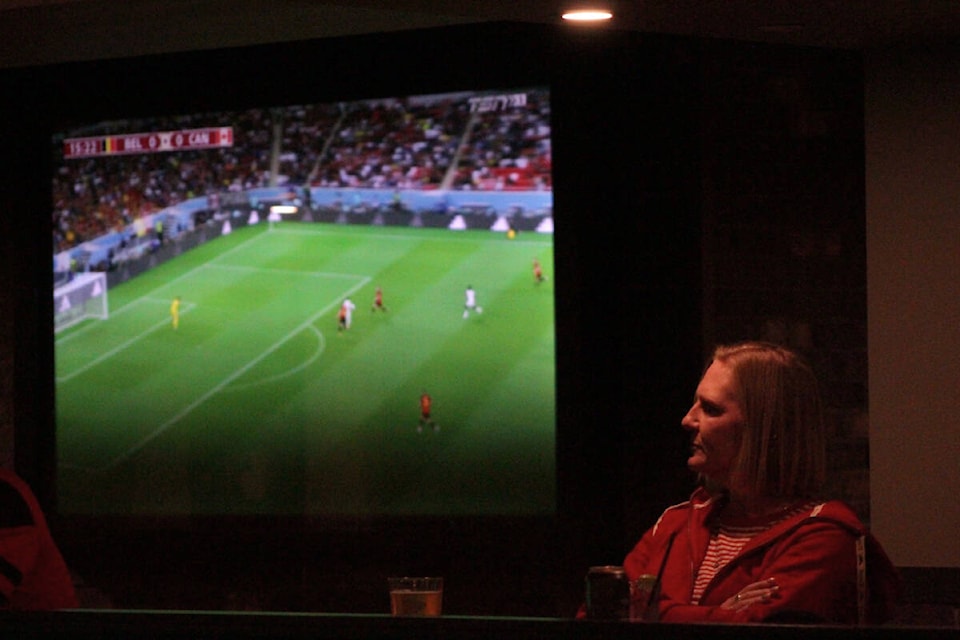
714, 421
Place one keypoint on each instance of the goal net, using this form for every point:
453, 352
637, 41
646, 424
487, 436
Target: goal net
85, 296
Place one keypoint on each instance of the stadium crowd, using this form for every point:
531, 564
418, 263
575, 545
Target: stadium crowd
428, 142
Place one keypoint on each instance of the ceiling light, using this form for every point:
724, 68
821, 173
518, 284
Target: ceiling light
587, 15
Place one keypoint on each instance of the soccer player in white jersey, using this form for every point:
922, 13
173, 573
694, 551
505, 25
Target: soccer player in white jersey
345, 315
471, 303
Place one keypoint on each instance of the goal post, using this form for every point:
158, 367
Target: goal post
85, 296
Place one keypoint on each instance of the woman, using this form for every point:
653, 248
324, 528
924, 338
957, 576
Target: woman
755, 542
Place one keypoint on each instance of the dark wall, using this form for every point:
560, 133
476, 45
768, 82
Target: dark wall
652, 147
785, 257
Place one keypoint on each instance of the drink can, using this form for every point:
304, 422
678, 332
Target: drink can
608, 593
643, 605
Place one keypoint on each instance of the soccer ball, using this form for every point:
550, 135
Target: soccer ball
479, 309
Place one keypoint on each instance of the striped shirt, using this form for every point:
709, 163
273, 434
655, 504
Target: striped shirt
728, 540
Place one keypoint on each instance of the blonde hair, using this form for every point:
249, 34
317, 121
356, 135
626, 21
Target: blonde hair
783, 443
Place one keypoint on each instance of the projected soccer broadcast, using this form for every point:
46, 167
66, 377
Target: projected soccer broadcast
340, 310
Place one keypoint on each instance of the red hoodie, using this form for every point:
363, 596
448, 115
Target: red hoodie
33, 574
812, 556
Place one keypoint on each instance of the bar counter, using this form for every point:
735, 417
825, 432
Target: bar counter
197, 625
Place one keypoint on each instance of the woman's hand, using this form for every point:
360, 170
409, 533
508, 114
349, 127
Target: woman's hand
761, 591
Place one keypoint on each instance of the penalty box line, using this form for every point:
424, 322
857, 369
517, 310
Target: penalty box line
225, 382
106, 355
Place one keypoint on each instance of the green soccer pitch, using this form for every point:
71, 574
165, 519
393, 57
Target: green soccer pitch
257, 404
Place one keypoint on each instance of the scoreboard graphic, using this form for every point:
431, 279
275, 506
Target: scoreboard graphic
150, 142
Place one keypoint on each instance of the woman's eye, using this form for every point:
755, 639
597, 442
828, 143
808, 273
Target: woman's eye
711, 409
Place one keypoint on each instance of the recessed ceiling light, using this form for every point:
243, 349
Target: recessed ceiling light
587, 15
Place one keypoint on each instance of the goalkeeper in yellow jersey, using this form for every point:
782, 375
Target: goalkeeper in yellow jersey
175, 312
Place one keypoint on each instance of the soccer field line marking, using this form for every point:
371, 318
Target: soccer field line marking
189, 272
293, 272
398, 236
321, 347
133, 303
91, 326
230, 378
106, 355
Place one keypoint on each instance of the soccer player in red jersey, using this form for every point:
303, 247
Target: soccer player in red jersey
426, 405
378, 301
537, 271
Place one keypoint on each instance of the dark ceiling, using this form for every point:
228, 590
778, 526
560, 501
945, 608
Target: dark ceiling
48, 31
